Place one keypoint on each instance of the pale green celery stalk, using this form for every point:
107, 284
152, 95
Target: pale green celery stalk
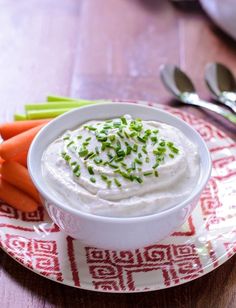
52, 98
55, 105
45, 114
20, 117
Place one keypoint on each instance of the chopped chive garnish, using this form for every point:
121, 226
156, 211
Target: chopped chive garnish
144, 149
77, 174
140, 155
119, 159
117, 182
67, 157
88, 139
135, 148
138, 161
85, 143
79, 137
174, 150
83, 152
91, 128
93, 180
120, 135
123, 164
116, 123
73, 163
104, 177
141, 139
155, 131
97, 150
66, 138
112, 138
162, 144
147, 173
70, 143
171, 155
113, 166
76, 169
133, 134
133, 166
120, 152
155, 166
154, 139
90, 170
123, 120
147, 159
126, 134
156, 173
97, 160
108, 183
101, 137
138, 179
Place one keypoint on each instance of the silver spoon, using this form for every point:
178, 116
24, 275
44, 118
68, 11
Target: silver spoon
179, 84
221, 83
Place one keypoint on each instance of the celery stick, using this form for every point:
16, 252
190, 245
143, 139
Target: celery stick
52, 98
20, 117
54, 105
44, 114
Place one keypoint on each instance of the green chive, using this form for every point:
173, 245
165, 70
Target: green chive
162, 144
104, 177
109, 183
70, 143
76, 169
97, 150
123, 120
101, 137
138, 179
112, 138
88, 139
79, 137
144, 149
147, 159
174, 150
155, 166
97, 160
90, 170
117, 182
147, 173
141, 139
91, 128
113, 166
138, 161
171, 155
83, 152
66, 138
93, 180
156, 173
135, 148
77, 174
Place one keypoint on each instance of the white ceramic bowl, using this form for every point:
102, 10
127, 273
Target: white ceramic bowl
108, 232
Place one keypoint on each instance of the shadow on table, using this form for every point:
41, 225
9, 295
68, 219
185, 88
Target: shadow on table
44, 293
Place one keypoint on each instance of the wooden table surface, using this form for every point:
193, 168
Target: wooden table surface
106, 49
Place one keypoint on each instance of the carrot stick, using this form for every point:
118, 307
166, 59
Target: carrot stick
9, 130
22, 158
16, 198
17, 175
18, 144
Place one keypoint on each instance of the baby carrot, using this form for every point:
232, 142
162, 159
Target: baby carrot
17, 175
22, 158
16, 198
12, 129
18, 144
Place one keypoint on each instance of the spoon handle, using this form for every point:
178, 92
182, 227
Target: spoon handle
217, 109
228, 103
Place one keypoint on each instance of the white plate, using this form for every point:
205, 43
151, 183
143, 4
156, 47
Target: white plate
207, 240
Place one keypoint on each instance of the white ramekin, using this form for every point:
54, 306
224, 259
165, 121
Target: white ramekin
109, 232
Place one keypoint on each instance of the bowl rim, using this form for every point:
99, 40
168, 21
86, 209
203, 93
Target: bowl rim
106, 219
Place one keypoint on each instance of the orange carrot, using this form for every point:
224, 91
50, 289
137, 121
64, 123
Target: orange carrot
18, 175
1, 160
18, 144
22, 158
12, 129
16, 198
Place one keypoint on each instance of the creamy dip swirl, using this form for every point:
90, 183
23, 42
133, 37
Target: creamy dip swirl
121, 167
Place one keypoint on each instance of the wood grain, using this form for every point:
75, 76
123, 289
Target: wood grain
106, 49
